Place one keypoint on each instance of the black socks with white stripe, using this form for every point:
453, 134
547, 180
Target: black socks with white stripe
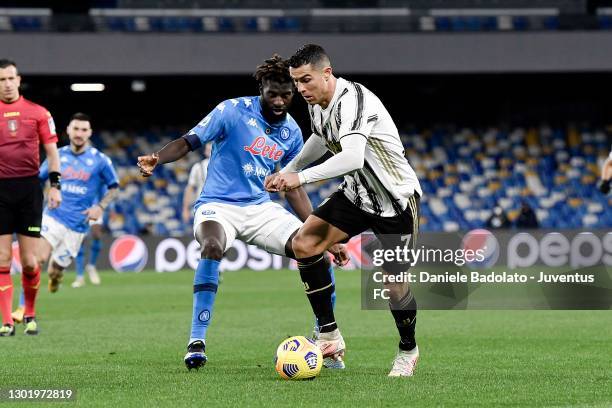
404, 312
319, 288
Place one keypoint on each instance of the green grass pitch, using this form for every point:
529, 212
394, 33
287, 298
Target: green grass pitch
122, 344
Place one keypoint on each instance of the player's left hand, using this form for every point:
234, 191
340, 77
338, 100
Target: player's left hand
287, 182
54, 198
147, 164
340, 254
94, 213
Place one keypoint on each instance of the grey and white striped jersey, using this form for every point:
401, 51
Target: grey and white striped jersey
386, 181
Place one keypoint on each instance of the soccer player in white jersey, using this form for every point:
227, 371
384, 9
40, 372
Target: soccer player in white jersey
380, 192
251, 136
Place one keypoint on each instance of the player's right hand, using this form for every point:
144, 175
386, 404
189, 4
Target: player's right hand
55, 198
147, 164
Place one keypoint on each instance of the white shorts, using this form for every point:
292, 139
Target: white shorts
65, 243
267, 225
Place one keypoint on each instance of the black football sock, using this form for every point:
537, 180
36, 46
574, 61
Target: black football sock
319, 288
404, 312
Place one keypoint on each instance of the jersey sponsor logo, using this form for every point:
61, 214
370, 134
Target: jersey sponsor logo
208, 212
11, 114
252, 122
259, 147
249, 170
74, 189
128, 253
70, 173
285, 133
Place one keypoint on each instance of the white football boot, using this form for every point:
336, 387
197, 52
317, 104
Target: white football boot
79, 282
92, 272
405, 362
332, 347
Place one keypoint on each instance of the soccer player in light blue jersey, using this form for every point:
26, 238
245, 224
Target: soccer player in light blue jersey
85, 170
83, 264
251, 136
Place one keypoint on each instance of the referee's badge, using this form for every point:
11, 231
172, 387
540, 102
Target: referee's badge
284, 133
13, 125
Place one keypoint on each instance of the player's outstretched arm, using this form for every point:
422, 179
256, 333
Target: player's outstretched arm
348, 160
313, 149
169, 153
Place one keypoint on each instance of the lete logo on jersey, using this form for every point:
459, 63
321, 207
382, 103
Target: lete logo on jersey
128, 253
259, 147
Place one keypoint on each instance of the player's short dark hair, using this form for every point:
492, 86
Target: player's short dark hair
5, 63
80, 116
309, 54
273, 69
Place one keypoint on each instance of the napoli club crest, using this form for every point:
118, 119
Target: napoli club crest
284, 133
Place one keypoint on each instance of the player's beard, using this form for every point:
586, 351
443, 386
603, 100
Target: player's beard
79, 147
273, 117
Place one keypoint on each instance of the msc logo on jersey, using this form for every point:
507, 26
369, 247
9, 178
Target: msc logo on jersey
484, 241
128, 253
250, 170
284, 133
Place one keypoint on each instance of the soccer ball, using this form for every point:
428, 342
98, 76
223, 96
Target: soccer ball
298, 358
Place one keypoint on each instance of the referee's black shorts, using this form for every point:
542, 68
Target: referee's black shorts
398, 231
21, 205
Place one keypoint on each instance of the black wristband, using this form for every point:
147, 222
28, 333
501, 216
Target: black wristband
604, 186
54, 179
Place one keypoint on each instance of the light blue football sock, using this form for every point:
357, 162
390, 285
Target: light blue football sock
96, 246
205, 284
79, 262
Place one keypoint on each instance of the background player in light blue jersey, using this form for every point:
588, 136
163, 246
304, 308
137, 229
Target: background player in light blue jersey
82, 262
251, 136
84, 171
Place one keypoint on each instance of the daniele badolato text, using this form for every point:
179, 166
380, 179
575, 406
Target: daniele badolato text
481, 277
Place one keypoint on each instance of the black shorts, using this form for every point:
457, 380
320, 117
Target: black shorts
398, 231
21, 205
